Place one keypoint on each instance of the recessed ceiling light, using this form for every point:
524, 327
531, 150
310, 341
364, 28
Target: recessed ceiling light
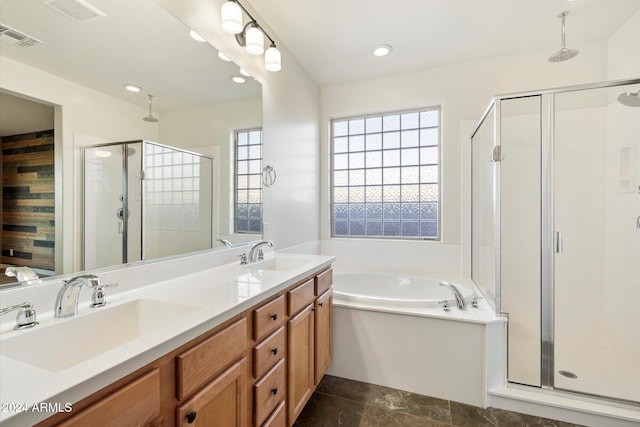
197, 37
382, 50
103, 153
244, 72
237, 79
222, 56
132, 88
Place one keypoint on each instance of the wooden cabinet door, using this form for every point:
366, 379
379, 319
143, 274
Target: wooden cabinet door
136, 404
323, 334
300, 357
221, 403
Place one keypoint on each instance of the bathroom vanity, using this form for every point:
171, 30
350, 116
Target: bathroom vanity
255, 363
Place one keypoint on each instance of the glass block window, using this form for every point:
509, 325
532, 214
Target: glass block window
386, 175
172, 179
248, 178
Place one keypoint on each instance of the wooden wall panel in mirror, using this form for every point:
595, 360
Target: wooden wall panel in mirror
65, 76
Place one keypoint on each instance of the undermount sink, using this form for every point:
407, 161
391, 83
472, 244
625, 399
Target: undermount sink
73, 341
280, 263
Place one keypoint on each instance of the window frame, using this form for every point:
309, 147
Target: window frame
332, 170
235, 189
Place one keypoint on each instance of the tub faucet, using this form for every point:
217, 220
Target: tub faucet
226, 243
462, 305
255, 254
67, 300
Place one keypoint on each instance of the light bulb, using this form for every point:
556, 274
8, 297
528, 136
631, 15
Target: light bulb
255, 41
231, 17
272, 59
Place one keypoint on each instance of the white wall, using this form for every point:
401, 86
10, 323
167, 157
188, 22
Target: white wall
209, 130
291, 110
463, 91
78, 110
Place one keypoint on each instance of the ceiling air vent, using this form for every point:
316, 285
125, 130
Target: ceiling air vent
16, 38
78, 10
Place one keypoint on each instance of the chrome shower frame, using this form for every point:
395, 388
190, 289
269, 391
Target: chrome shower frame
548, 237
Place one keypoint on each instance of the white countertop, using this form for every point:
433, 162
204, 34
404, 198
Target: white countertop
215, 295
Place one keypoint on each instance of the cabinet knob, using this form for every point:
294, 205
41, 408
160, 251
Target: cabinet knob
274, 316
274, 350
191, 417
274, 391
320, 304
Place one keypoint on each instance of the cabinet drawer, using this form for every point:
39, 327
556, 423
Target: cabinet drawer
278, 418
269, 392
268, 317
137, 403
268, 352
200, 364
301, 296
324, 281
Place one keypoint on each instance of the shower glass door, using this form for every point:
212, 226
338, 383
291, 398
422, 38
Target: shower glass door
596, 151
112, 205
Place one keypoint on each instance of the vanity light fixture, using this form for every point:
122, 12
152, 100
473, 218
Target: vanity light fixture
382, 50
250, 36
132, 88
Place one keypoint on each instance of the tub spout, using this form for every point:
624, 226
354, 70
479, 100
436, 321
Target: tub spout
462, 305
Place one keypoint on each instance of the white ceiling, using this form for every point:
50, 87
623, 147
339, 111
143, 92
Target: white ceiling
136, 42
332, 39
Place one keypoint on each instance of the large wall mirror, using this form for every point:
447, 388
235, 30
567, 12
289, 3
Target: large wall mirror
62, 81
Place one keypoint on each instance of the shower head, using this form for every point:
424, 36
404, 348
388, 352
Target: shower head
630, 99
150, 117
563, 54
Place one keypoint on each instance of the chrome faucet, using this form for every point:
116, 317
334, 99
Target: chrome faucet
26, 317
226, 243
67, 300
256, 254
462, 305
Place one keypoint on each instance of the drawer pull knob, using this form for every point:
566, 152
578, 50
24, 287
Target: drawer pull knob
191, 417
274, 391
320, 304
274, 316
274, 351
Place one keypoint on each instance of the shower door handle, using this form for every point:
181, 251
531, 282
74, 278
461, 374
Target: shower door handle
559, 242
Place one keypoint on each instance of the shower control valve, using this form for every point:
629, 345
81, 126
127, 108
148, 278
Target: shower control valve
445, 305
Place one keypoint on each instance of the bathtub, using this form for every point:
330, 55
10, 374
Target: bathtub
395, 290
390, 330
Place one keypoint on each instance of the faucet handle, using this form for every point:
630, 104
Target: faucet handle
260, 255
474, 301
98, 296
243, 258
445, 305
26, 317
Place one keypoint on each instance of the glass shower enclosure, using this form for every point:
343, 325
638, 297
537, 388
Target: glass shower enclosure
556, 234
143, 200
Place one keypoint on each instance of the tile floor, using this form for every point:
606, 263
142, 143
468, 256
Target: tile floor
339, 402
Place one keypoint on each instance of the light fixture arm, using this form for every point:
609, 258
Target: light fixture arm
253, 23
